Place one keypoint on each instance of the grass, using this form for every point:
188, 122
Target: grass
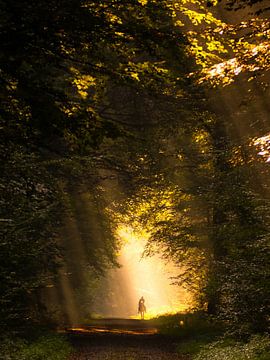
193, 330
256, 348
203, 338
46, 347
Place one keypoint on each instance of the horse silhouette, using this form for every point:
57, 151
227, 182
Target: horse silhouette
141, 307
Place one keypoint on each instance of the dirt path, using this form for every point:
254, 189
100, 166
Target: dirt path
120, 342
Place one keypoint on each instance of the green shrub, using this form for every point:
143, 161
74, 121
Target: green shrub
192, 325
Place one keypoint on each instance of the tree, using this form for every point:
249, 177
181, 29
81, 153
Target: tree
58, 61
85, 82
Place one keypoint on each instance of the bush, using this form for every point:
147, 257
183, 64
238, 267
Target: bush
258, 348
192, 325
49, 347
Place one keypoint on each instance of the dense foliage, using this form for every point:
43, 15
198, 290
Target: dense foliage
107, 115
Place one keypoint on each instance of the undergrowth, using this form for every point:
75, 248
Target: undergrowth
257, 348
204, 338
47, 347
189, 325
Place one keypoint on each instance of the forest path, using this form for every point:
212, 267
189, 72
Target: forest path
120, 339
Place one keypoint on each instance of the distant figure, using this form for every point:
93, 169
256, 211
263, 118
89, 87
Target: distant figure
141, 307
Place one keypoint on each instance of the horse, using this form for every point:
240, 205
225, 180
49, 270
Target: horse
141, 307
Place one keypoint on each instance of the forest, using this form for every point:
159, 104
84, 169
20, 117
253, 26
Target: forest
144, 116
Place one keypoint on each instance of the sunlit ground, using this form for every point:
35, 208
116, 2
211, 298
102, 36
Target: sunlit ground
111, 331
149, 277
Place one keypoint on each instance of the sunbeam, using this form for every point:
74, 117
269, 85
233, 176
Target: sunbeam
150, 277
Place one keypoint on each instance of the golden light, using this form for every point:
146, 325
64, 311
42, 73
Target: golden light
104, 330
254, 58
263, 143
149, 277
